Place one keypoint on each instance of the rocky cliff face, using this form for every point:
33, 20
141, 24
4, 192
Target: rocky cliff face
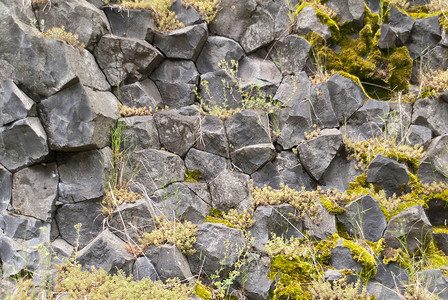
202, 118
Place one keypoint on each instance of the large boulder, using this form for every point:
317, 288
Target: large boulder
247, 127
22, 143
176, 81
293, 122
14, 104
88, 117
425, 35
140, 132
219, 91
389, 175
251, 158
209, 165
126, 60
231, 190
431, 113
291, 54
294, 89
433, 166
131, 23
35, 190
212, 136
259, 32
140, 94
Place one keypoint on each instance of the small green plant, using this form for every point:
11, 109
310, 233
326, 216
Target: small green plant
192, 176
325, 290
232, 219
60, 33
432, 83
127, 111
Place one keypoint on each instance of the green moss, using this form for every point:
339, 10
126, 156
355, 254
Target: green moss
211, 219
440, 229
332, 207
202, 291
364, 257
332, 25
192, 176
401, 65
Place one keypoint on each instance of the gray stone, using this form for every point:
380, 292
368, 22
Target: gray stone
307, 21
364, 218
35, 190
401, 24
212, 136
279, 220
140, 94
388, 38
348, 11
131, 23
113, 254
391, 275
254, 279
437, 211
219, 91
216, 49
209, 165
16, 256
143, 268
178, 202
5, 188
14, 104
294, 89
157, 169
62, 251
282, 20
398, 121
316, 154
22, 10
441, 238
431, 113
130, 220
24, 228
425, 35
176, 81
323, 226
88, 213
342, 258
186, 15
333, 275
382, 292
140, 132
217, 247
78, 17
184, 43
259, 77
126, 60
346, 96
233, 18
259, 32
290, 54
340, 173
177, 133
409, 230
22, 143
81, 175
321, 107
247, 127
231, 190
169, 262
435, 282
433, 60
433, 166
418, 135
293, 123
389, 175
88, 117
251, 158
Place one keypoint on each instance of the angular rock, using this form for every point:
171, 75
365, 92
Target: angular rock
418, 135
216, 49
280, 220
247, 127
88, 213
14, 104
392, 275
143, 268
169, 262
307, 21
212, 136
251, 158
316, 154
126, 60
291, 54
157, 169
218, 247
323, 226
433, 60
401, 24
435, 282
233, 18
131, 23
281, 13
364, 218
342, 258
433, 166
176, 81
388, 38
348, 11
259, 32
137, 219
441, 238
382, 292
398, 121
25, 228
16, 256
437, 211
293, 123
23, 12
140, 94
78, 17
184, 43
35, 190
140, 132
254, 279
178, 202
231, 190
219, 91
340, 173
322, 108
5, 188
431, 113
22, 143
209, 165
389, 175
187, 15
294, 89
346, 96
114, 255
409, 230
81, 175
259, 73
62, 251
177, 133
425, 35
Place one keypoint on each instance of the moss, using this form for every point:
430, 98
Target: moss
401, 65
332, 25
332, 207
192, 176
364, 257
440, 229
355, 79
202, 291
212, 219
